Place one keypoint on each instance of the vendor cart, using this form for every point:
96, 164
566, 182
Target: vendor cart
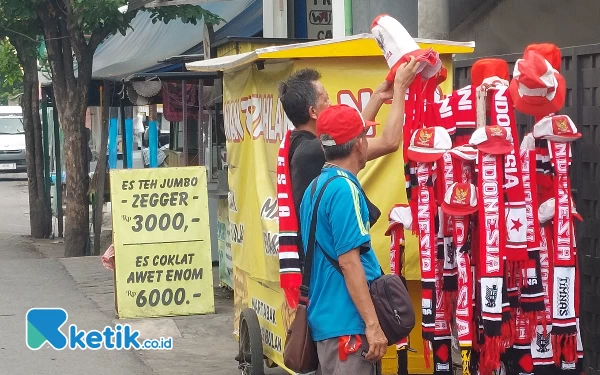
255, 123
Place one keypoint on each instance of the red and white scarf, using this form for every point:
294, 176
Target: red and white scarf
426, 208
541, 344
290, 275
491, 252
564, 323
449, 261
532, 292
502, 113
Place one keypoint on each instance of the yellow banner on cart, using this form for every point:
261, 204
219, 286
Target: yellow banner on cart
162, 242
255, 125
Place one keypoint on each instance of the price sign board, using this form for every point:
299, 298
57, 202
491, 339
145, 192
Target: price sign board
162, 242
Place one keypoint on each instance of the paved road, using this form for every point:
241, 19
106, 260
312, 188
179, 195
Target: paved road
28, 280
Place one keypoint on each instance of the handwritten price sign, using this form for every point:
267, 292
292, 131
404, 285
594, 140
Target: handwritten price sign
162, 242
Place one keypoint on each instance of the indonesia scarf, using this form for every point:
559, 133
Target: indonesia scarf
519, 355
502, 113
450, 266
564, 324
426, 209
457, 110
541, 344
442, 342
290, 276
532, 292
464, 171
491, 252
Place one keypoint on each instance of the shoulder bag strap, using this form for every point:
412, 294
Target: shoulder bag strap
310, 248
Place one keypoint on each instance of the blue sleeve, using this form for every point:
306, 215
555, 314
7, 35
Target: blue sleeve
348, 217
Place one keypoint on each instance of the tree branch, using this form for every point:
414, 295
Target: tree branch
53, 47
67, 51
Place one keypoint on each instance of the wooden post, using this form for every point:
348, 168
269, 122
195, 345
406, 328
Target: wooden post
46, 146
58, 169
184, 123
481, 108
153, 137
124, 139
101, 166
201, 143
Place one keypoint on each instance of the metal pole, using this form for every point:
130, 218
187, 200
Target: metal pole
184, 123
58, 169
201, 146
124, 139
46, 146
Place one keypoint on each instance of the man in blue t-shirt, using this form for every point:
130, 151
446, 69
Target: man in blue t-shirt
341, 314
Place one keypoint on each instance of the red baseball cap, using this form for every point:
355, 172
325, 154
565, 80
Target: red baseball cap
556, 128
342, 123
460, 199
428, 144
492, 139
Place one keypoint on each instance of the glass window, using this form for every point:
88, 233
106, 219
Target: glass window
11, 125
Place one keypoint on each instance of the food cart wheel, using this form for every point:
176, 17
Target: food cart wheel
251, 359
270, 364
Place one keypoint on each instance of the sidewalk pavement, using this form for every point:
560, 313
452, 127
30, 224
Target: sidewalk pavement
202, 344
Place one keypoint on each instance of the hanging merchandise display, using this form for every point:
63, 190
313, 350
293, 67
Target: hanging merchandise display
493, 216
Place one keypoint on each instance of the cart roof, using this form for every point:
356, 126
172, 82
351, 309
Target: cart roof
353, 46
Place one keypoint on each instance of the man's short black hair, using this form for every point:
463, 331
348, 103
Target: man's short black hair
298, 94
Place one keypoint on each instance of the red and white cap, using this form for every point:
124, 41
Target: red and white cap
460, 199
537, 88
400, 215
492, 139
489, 73
465, 152
429, 144
556, 129
397, 46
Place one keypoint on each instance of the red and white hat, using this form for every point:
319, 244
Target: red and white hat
556, 129
489, 72
428, 144
400, 215
548, 51
537, 88
460, 199
397, 46
465, 152
492, 139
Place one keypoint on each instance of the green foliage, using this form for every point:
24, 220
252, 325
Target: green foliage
188, 14
104, 14
11, 75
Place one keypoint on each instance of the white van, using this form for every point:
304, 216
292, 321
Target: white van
12, 140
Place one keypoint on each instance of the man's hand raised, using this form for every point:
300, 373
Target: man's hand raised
406, 74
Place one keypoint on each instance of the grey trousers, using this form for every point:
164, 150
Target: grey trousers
355, 364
